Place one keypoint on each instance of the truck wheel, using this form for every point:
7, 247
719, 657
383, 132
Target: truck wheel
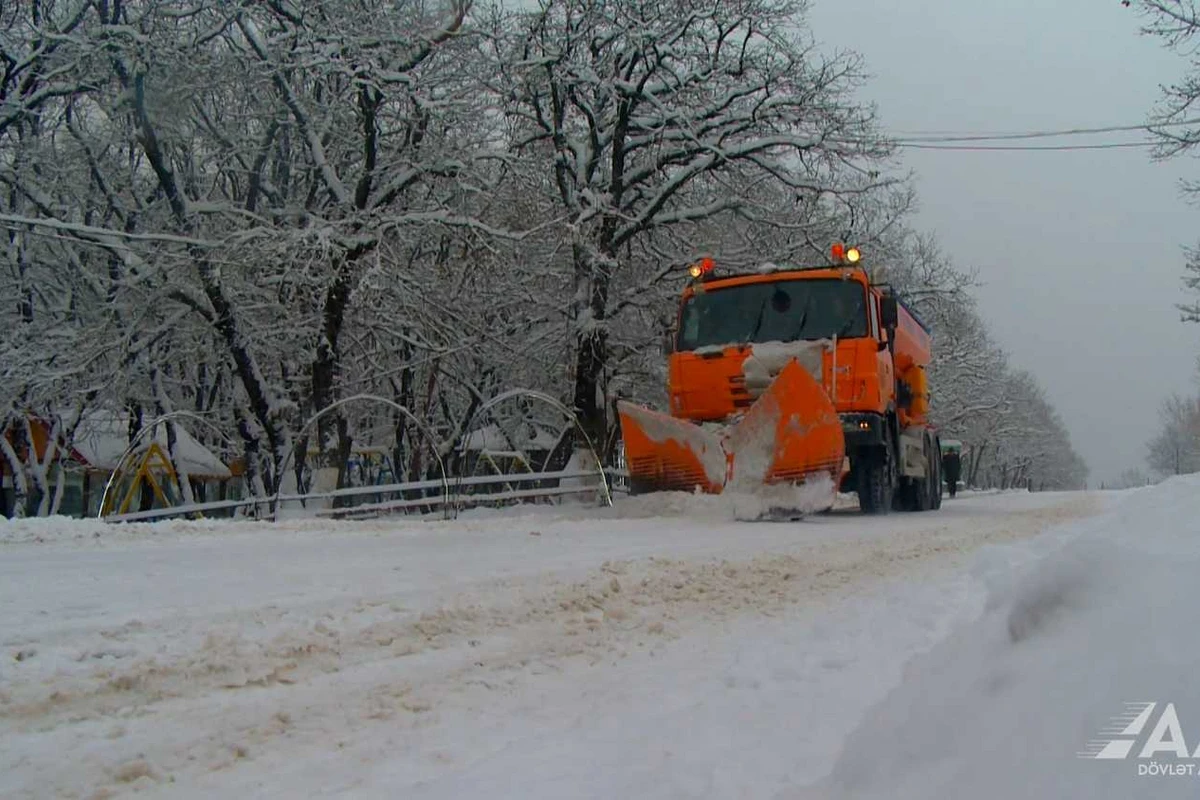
876, 483
923, 489
907, 496
936, 488
919, 499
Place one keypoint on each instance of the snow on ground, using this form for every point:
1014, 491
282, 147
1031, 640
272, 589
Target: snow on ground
657, 649
1021, 701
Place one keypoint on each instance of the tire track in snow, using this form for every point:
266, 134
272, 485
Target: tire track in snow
373, 662
652, 593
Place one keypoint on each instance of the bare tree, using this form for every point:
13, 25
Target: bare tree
1175, 449
250, 211
1174, 121
653, 115
278, 145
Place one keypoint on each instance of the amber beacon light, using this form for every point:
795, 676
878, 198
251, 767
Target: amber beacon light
845, 255
701, 267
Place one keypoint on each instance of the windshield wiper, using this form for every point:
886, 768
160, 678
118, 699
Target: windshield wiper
803, 319
849, 323
762, 310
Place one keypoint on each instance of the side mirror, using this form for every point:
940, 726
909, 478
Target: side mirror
667, 344
889, 312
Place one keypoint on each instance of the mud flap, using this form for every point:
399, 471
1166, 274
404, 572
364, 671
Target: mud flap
791, 435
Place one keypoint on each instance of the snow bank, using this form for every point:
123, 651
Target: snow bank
72, 531
697, 507
1018, 703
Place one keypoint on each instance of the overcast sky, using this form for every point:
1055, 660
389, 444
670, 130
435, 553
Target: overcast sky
1079, 252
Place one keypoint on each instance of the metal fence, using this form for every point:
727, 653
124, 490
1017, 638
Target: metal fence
552, 478
419, 498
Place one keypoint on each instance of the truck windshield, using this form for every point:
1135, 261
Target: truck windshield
782, 311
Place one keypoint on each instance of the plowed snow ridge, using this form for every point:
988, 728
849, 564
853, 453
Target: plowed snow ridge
167, 663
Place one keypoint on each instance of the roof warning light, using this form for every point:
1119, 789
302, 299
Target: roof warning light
701, 267
845, 255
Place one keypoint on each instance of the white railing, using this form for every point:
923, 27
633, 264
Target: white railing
449, 496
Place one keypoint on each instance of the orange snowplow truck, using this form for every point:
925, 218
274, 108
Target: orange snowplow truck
787, 375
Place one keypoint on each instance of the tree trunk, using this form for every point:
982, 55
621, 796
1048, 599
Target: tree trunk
590, 360
162, 407
60, 486
299, 463
224, 319
181, 474
404, 394
976, 463
4, 512
592, 275
333, 430
415, 466
255, 485
39, 468
20, 490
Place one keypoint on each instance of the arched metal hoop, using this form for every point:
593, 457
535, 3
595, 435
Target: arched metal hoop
556, 404
408, 415
133, 445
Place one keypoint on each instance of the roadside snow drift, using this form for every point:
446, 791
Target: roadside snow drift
1062, 667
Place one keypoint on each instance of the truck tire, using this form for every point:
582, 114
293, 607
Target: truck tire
915, 494
936, 488
908, 495
923, 489
876, 482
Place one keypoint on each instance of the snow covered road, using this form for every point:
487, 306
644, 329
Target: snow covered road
626, 653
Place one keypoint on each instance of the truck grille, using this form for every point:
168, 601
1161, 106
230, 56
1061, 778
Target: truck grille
739, 393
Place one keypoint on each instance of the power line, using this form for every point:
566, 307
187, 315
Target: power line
941, 136
983, 142
1027, 147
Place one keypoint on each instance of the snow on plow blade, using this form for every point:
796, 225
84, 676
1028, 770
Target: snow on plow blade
790, 435
664, 453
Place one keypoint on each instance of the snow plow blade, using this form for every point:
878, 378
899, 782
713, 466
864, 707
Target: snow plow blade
668, 454
790, 435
